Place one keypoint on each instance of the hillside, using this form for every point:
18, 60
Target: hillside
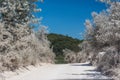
60, 42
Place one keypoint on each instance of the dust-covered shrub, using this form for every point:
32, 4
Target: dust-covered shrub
111, 59
46, 50
27, 50
86, 53
69, 56
103, 37
19, 46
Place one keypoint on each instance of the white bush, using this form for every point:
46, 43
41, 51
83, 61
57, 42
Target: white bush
103, 35
69, 56
19, 46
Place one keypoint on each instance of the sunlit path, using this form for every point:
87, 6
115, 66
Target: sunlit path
76, 71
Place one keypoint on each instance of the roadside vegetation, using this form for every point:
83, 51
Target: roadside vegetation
102, 40
19, 45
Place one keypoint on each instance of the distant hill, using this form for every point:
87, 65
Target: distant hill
60, 42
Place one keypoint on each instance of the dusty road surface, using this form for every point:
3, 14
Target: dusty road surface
75, 71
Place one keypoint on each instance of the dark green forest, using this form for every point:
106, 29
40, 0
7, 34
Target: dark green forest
60, 42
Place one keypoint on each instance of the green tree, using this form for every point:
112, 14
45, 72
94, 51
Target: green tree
61, 42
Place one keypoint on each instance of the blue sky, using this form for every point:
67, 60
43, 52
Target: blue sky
68, 16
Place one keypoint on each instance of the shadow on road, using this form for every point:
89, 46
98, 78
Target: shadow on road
92, 74
87, 64
92, 70
83, 79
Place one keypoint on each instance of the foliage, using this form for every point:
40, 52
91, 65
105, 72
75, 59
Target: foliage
19, 46
61, 42
103, 35
60, 60
17, 11
69, 56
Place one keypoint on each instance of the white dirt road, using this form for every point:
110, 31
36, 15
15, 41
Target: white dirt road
75, 71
